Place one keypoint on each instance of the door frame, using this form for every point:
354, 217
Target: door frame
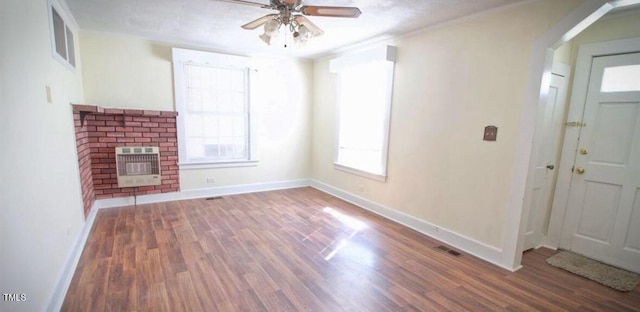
539, 71
535, 238
586, 53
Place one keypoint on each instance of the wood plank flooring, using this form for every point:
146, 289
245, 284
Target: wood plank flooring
303, 250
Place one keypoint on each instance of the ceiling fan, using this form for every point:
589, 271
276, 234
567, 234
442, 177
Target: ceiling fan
292, 16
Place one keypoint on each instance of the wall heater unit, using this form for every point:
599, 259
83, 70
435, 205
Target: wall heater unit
138, 166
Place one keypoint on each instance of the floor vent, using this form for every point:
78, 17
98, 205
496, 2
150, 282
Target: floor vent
448, 250
214, 198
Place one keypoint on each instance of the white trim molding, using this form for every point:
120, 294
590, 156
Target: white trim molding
64, 280
200, 193
362, 173
481, 250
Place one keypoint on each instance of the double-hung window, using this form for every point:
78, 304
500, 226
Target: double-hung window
214, 110
365, 85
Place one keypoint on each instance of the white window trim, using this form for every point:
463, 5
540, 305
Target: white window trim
70, 23
184, 56
383, 53
362, 173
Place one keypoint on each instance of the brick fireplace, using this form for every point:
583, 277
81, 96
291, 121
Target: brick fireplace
100, 130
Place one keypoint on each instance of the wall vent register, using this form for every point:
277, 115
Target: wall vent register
138, 166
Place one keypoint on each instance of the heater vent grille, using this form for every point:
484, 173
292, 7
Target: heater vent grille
138, 166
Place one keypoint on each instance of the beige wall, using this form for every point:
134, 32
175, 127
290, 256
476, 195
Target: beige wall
39, 182
450, 82
127, 72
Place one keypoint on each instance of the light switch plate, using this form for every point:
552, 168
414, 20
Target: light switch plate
48, 90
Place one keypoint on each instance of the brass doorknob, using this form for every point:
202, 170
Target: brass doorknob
579, 170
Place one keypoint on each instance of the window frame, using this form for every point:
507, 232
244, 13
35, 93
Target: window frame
182, 57
69, 28
386, 54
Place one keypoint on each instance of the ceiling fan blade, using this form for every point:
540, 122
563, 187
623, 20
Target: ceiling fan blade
259, 22
315, 30
260, 5
315, 10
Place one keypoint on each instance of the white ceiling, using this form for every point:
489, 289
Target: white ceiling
216, 25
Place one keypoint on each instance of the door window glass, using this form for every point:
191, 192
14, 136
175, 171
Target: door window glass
621, 79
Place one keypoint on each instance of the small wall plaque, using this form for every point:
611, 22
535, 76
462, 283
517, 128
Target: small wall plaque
490, 133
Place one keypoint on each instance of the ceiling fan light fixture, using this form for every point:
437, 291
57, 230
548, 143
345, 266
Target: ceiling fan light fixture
301, 29
305, 33
272, 26
266, 38
270, 30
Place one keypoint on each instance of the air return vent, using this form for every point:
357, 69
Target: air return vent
138, 166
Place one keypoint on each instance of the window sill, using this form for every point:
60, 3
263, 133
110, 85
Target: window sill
223, 164
362, 173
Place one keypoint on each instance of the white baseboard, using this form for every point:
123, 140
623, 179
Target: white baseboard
64, 280
481, 250
201, 193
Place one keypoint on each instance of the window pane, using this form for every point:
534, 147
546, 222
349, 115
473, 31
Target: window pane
363, 107
195, 148
621, 79
70, 47
194, 125
59, 33
216, 113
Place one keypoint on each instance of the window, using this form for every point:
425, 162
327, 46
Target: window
62, 42
621, 79
214, 111
365, 85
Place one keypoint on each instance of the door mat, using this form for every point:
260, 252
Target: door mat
604, 274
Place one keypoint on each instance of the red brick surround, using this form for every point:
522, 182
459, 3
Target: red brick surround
99, 130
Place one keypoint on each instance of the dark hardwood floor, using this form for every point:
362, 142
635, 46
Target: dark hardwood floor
303, 250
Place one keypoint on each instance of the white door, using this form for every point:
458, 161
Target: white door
603, 212
548, 143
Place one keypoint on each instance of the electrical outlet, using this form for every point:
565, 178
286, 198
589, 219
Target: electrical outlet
211, 180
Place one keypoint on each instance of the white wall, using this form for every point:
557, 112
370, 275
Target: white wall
450, 82
128, 72
41, 213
